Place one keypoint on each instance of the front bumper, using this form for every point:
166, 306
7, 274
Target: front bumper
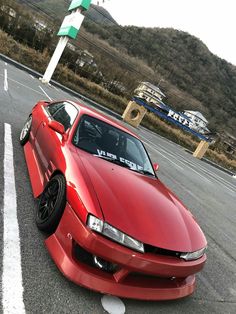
139, 276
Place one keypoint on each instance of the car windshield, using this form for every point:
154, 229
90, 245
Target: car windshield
112, 144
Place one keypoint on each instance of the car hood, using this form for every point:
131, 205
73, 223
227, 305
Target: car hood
142, 207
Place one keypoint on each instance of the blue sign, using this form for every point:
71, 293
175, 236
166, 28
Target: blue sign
172, 116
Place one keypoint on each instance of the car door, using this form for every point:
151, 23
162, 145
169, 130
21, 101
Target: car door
48, 142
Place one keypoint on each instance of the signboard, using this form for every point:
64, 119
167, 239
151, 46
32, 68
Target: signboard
174, 118
71, 25
83, 4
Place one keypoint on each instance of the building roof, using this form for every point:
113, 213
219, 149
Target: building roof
197, 114
155, 88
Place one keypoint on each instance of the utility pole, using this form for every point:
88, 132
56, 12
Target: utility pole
69, 29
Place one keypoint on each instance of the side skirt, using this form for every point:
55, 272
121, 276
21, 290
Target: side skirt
35, 175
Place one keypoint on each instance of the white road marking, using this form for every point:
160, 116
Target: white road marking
151, 145
210, 174
176, 165
45, 93
229, 186
32, 76
5, 64
221, 181
184, 163
34, 90
113, 305
12, 288
55, 88
5, 80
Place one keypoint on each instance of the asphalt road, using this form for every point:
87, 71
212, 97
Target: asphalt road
208, 192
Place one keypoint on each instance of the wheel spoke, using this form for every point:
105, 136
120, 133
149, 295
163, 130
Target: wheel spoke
44, 211
50, 207
25, 131
51, 204
54, 189
48, 201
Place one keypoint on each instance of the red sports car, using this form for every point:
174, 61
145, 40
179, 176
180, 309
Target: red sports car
114, 227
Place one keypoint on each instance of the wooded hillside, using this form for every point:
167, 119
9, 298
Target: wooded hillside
187, 72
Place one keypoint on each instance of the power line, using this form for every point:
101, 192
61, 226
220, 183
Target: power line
118, 59
121, 60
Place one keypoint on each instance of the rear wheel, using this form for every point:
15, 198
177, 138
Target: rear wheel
51, 204
25, 132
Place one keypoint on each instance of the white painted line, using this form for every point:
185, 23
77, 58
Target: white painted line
34, 90
56, 88
45, 93
195, 167
32, 76
12, 288
5, 80
112, 304
211, 175
5, 64
174, 163
205, 171
184, 163
220, 180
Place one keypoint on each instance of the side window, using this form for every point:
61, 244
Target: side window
66, 115
53, 108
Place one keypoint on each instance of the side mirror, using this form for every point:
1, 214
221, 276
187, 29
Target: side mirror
56, 126
155, 166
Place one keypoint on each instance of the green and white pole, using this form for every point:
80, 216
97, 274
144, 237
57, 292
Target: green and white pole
69, 29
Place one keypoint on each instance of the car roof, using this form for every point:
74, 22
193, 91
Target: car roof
96, 114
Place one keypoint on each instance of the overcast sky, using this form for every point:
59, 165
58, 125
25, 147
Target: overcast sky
213, 21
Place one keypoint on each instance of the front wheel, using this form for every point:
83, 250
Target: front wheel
51, 204
25, 133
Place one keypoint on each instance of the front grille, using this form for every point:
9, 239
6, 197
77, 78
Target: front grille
158, 251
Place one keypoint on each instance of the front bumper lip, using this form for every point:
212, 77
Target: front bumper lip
140, 276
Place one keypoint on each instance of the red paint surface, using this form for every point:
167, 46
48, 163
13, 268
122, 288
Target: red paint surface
138, 205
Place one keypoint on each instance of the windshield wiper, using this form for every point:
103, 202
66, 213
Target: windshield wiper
113, 160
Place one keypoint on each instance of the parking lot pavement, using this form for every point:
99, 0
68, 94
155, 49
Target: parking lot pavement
207, 191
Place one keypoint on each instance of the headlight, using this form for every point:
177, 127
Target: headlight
193, 255
95, 223
114, 234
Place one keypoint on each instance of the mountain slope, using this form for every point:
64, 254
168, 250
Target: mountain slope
182, 61
59, 8
189, 74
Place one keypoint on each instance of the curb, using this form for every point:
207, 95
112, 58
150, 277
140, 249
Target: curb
214, 164
219, 167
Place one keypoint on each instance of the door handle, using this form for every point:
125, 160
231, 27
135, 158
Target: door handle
44, 124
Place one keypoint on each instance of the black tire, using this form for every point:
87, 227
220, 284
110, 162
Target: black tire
25, 132
51, 204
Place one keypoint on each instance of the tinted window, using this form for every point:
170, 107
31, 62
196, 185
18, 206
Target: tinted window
53, 108
105, 141
64, 113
